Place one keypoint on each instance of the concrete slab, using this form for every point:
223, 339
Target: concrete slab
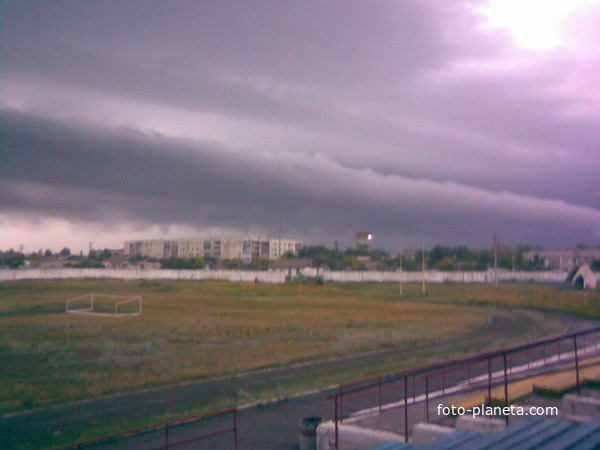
580, 406
352, 437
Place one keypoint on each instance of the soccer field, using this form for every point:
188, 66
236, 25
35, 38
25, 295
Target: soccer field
190, 330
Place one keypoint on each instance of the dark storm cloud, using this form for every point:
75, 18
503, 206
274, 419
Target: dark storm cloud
278, 61
101, 176
259, 63
320, 43
391, 116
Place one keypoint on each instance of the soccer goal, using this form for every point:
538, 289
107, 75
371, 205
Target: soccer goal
105, 305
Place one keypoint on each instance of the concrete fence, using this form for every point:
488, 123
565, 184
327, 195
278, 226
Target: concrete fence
143, 274
279, 276
436, 276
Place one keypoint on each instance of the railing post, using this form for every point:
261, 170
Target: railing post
576, 364
341, 402
443, 380
505, 385
167, 436
336, 423
413, 389
489, 381
406, 408
544, 352
235, 436
379, 388
427, 399
469, 372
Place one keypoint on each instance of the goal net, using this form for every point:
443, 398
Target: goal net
105, 305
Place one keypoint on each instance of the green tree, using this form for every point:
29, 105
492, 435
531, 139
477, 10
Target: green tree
104, 254
182, 263
13, 259
233, 264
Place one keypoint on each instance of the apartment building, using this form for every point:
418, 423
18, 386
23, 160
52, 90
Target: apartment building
247, 249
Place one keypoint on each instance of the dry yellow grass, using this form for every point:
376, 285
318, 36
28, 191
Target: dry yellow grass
199, 329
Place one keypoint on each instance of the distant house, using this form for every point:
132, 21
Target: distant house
583, 277
117, 262
148, 265
292, 265
52, 262
121, 262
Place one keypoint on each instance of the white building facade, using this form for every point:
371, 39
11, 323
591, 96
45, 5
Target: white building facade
247, 249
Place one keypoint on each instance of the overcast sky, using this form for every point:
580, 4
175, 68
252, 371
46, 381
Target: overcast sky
417, 120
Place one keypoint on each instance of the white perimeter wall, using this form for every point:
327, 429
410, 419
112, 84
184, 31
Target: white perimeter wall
435, 276
146, 274
279, 276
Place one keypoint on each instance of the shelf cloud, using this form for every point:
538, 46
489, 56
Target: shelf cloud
414, 120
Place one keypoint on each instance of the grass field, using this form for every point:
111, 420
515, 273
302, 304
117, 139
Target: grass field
542, 297
191, 330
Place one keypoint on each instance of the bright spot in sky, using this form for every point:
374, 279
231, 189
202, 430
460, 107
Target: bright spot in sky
535, 24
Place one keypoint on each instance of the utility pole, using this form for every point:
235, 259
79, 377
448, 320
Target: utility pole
423, 257
400, 273
279, 244
495, 262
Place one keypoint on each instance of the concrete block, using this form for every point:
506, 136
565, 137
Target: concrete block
391, 420
484, 425
423, 433
352, 437
580, 406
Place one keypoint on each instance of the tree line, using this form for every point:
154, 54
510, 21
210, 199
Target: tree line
438, 258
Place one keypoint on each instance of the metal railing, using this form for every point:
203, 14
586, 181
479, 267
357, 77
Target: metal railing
483, 370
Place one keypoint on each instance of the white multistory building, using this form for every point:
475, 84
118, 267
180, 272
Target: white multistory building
245, 248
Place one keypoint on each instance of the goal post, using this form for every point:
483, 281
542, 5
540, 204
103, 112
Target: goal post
137, 298
71, 309
105, 305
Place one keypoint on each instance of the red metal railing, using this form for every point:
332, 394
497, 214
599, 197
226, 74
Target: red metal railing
169, 426
479, 370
